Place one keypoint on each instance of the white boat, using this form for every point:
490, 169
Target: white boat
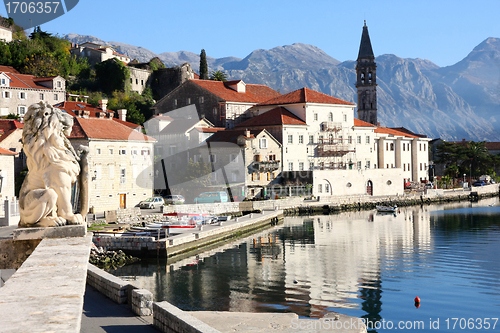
387, 209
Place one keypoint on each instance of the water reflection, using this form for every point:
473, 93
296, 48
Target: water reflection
359, 263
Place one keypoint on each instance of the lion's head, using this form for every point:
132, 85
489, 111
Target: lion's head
45, 139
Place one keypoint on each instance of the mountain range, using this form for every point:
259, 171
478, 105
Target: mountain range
456, 102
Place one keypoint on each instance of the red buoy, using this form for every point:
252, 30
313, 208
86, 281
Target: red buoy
417, 299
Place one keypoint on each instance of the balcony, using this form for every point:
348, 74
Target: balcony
267, 166
333, 149
330, 126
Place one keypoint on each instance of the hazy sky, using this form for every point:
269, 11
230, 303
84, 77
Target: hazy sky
443, 31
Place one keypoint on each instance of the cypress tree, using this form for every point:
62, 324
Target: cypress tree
203, 66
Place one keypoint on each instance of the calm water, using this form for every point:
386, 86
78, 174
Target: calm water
361, 264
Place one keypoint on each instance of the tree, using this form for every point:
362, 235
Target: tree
218, 76
203, 65
112, 75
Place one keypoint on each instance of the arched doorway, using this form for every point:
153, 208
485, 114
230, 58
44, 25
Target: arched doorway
369, 187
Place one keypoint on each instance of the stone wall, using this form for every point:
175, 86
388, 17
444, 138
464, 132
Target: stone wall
170, 319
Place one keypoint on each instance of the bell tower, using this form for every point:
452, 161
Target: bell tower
366, 82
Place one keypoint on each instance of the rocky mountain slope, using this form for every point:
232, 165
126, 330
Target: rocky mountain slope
454, 102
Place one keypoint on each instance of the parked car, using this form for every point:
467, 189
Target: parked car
151, 203
479, 183
211, 197
174, 199
429, 185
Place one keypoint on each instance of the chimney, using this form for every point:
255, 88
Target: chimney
86, 114
110, 114
103, 103
122, 114
101, 114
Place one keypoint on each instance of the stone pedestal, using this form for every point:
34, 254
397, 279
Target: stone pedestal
54, 232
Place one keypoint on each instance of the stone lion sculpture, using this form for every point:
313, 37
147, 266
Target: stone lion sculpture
53, 167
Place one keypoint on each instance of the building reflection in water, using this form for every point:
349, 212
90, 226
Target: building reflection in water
309, 266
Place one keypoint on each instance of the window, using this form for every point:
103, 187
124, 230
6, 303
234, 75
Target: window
111, 171
345, 117
359, 165
98, 151
420, 166
131, 81
98, 172
420, 146
22, 95
142, 82
330, 116
404, 167
321, 165
320, 188
349, 139
272, 157
269, 177
301, 139
424, 146
145, 151
367, 139
263, 143
3, 82
58, 84
136, 81
387, 146
311, 138
290, 139
359, 139
368, 164
172, 150
41, 97
256, 176
311, 165
134, 152
55, 97
122, 151
122, 176
201, 99
392, 146
327, 188
315, 116
290, 166
6, 94
188, 101
175, 102
21, 110
301, 166
110, 151
256, 158
404, 146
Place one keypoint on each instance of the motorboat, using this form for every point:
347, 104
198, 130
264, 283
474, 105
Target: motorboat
387, 209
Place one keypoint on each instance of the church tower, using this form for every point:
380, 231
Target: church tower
366, 82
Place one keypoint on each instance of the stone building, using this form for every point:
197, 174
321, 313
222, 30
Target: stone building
11, 133
19, 91
224, 104
250, 160
120, 162
6, 174
96, 53
165, 80
5, 34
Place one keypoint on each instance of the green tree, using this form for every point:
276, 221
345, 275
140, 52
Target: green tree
203, 65
112, 75
218, 76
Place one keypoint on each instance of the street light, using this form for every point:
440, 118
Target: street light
464, 179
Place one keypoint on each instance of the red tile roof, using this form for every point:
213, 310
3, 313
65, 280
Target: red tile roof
255, 93
105, 129
7, 126
7, 152
209, 129
305, 95
276, 116
405, 130
71, 106
8, 69
492, 145
391, 131
232, 135
361, 123
26, 81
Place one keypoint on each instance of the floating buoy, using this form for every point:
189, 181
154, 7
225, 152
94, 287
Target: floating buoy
417, 299
295, 281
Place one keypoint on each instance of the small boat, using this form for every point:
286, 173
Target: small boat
224, 218
387, 209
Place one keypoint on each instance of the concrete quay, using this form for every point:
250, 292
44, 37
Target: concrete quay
183, 240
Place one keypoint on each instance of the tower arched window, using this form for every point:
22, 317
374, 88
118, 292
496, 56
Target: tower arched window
330, 138
330, 117
362, 77
370, 77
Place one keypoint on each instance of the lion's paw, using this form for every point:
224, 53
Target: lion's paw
76, 219
51, 221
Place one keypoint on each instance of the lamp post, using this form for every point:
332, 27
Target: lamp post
464, 180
